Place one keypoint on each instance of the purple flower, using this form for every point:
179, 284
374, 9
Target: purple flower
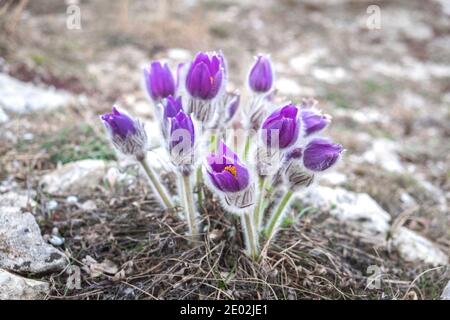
260, 78
284, 123
119, 124
226, 171
320, 154
172, 106
182, 133
205, 76
159, 81
314, 121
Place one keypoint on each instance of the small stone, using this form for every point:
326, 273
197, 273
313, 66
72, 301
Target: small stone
28, 136
14, 287
89, 205
79, 177
446, 293
3, 116
72, 200
56, 240
52, 205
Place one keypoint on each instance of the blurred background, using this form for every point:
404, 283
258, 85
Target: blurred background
380, 68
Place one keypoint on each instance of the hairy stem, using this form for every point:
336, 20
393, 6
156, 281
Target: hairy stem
156, 184
248, 141
274, 220
251, 238
186, 195
258, 210
199, 182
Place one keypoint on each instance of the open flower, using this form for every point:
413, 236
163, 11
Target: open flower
205, 76
320, 154
128, 135
314, 121
225, 170
283, 124
260, 78
159, 81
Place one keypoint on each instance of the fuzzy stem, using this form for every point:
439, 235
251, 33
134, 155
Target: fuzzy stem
213, 143
259, 205
156, 185
248, 141
188, 204
250, 235
274, 219
199, 182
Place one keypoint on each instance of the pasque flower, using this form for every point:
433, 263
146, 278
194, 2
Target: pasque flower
260, 78
314, 121
226, 172
320, 154
159, 81
119, 124
231, 178
282, 123
205, 76
127, 134
182, 133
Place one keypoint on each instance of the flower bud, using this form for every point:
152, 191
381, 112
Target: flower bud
159, 81
283, 126
260, 78
205, 76
181, 140
128, 135
314, 121
320, 154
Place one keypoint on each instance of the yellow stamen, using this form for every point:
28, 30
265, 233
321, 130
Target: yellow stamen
211, 79
231, 169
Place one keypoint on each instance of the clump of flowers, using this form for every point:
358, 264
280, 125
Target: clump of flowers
281, 150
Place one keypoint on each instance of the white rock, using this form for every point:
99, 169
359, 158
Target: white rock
330, 75
303, 62
22, 248
288, 86
3, 116
72, 200
79, 177
19, 199
383, 153
356, 209
178, 54
21, 97
446, 292
363, 213
333, 178
52, 205
413, 248
14, 287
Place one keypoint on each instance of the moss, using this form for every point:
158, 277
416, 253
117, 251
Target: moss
77, 143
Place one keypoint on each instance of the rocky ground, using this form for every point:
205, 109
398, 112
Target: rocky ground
78, 223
